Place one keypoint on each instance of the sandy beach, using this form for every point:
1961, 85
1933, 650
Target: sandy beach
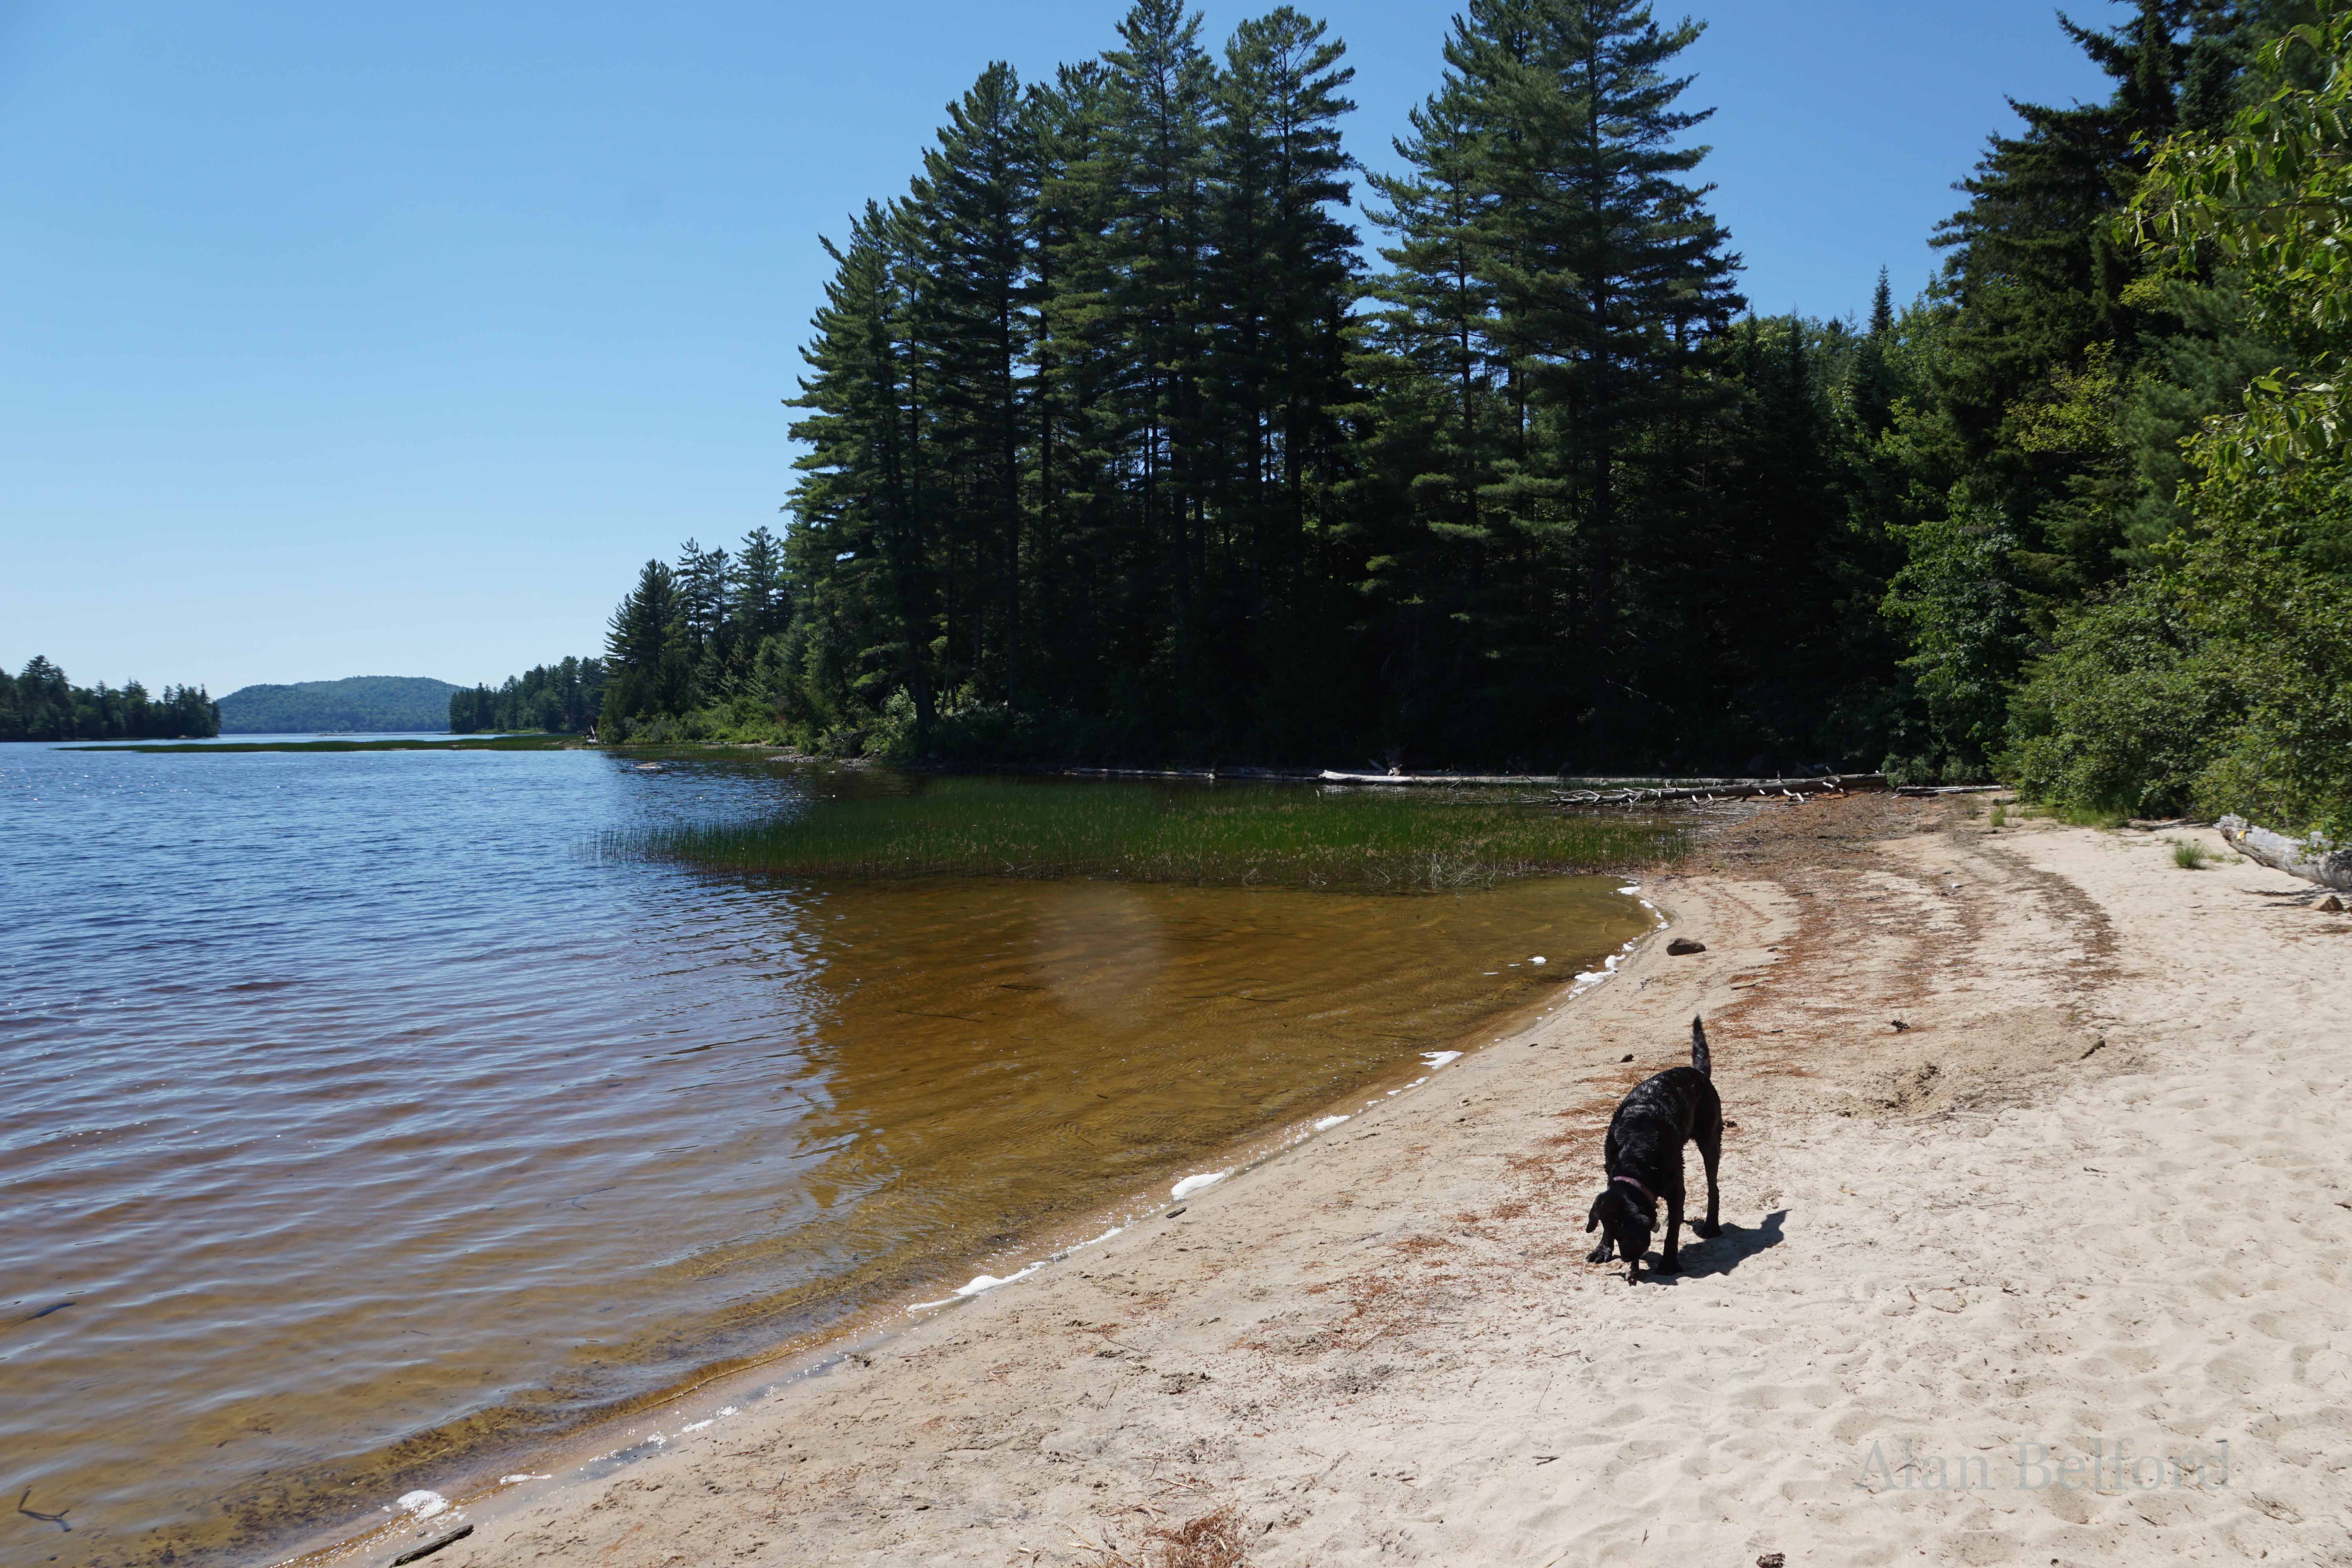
2053, 1273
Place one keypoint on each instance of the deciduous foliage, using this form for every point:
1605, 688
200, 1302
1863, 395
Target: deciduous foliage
2219, 678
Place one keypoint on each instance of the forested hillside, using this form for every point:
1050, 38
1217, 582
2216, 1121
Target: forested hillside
40, 704
1119, 448
359, 704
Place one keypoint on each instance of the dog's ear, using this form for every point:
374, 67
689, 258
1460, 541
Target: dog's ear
1592, 1220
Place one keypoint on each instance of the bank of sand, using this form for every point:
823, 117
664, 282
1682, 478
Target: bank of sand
2096, 1197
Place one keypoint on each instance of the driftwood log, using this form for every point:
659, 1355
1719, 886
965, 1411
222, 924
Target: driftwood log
1613, 792
2314, 859
1736, 789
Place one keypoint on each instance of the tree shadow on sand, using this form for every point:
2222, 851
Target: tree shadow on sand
1723, 1253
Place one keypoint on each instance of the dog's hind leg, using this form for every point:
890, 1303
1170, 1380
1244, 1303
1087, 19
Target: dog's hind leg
1710, 1151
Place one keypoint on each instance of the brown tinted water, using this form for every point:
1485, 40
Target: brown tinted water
363, 1127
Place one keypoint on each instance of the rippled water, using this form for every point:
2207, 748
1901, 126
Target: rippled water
359, 1122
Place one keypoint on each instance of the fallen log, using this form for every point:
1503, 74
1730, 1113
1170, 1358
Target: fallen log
1742, 789
2314, 859
1613, 790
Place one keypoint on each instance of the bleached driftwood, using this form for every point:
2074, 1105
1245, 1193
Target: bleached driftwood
2314, 859
1733, 789
1614, 792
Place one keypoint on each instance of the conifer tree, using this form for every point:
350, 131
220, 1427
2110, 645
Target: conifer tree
975, 329
1155, 145
759, 602
865, 535
1551, 165
1279, 283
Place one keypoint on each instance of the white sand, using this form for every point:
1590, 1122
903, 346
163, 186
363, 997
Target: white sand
1384, 1346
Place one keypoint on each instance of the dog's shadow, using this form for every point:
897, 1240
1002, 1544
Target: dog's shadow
1722, 1253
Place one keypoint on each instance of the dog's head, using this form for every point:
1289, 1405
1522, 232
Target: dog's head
1627, 1219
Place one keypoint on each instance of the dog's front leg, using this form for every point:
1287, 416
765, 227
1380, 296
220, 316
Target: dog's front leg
1671, 1260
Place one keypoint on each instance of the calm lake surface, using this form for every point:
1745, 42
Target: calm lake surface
362, 1124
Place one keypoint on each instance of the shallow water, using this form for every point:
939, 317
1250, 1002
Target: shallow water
360, 1121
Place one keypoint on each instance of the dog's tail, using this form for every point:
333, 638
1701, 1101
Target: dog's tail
1699, 1058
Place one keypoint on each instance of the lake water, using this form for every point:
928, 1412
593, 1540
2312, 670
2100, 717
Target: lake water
362, 1123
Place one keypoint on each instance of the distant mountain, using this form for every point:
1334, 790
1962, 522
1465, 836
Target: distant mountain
362, 704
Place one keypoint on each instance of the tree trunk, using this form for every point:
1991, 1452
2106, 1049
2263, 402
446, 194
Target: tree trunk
2312, 859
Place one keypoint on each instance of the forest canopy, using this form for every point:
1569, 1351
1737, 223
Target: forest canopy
40, 703
562, 698
1127, 436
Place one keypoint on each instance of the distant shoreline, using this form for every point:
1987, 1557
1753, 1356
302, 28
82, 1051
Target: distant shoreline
454, 744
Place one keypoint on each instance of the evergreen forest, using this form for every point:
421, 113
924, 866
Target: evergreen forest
562, 698
39, 703
1146, 425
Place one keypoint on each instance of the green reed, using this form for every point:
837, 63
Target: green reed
1224, 835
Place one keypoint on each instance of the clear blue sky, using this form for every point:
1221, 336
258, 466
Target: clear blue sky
389, 340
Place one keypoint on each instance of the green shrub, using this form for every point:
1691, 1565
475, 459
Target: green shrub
2218, 681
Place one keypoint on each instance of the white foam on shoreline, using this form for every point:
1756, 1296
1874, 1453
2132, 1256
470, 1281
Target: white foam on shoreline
977, 1285
1439, 1058
423, 1504
1191, 1185
1329, 1122
981, 1282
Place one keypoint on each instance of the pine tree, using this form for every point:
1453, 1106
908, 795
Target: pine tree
865, 543
1550, 167
1156, 132
1280, 285
703, 579
760, 601
976, 327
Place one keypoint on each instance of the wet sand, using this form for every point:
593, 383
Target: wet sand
1996, 1287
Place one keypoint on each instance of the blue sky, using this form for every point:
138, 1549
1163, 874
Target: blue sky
345, 340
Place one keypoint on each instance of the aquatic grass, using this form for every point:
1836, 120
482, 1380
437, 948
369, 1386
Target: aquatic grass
1224, 835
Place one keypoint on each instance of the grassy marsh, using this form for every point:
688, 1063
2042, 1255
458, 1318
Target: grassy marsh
1222, 834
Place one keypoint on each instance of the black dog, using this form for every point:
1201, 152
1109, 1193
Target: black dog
1644, 1160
